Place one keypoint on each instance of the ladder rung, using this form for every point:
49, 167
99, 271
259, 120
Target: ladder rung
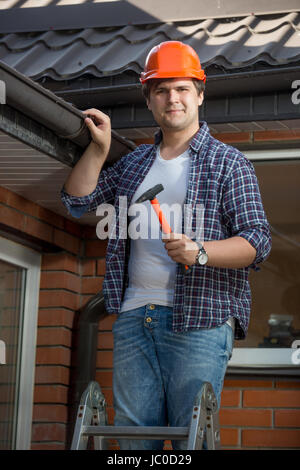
137, 432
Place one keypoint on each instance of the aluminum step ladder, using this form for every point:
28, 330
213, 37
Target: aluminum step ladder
91, 422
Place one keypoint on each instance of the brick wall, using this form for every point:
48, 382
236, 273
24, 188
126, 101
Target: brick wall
260, 414
253, 137
70, 275
254, 413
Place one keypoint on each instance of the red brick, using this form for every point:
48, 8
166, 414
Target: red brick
50, 394
104, 378
274, 438
232, 383
242, 417
54, 336
56, 317
104, 359
4, 195
73, 228
49, 432
52, 374
12, 218
233, 137
60, 261
50, 413
101, 267
50, 217
58, 298
287, 418
91, 285
108, 394
22, 204
60, 280
48, 446
230, 397
110, 415
271, 398
38, 229
144, 141
89, 232
229, 437
53, 355
107, 322
288, 384
105, 340
66, 241
95, 248
293, 134
88, 267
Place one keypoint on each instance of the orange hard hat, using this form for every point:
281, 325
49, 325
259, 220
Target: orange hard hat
172, 59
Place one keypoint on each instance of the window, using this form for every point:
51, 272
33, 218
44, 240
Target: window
274, 330
19, 288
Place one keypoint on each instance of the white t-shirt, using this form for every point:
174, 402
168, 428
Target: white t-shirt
151, 271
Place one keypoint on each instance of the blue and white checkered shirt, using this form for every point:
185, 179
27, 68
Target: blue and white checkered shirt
223, 180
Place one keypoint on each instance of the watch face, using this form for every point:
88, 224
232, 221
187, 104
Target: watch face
203, 258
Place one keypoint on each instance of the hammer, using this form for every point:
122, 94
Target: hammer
150, 195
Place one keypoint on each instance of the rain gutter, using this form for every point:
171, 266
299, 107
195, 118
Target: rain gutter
53, 112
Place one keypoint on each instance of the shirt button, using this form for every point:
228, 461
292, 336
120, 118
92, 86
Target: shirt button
152, 307
148, 319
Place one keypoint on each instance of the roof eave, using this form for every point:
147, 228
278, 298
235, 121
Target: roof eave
55, 114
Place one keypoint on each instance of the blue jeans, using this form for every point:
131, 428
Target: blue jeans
158, 372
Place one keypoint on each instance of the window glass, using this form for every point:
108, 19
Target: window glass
275, 315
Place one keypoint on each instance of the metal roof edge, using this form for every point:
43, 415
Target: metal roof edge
53, 112
120, 13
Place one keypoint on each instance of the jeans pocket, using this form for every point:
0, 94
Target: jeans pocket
229, 340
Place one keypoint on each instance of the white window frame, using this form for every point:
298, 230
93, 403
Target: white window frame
268, 358
30, 260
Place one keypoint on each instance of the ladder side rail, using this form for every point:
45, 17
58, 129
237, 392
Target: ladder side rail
212, 420
92, 405
198, 421
213, 432
100, 420
80, 441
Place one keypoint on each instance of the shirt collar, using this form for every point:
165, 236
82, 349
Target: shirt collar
198, 140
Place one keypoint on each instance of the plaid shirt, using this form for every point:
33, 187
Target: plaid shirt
223, 180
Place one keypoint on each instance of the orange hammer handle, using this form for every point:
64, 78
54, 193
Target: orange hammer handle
163, 221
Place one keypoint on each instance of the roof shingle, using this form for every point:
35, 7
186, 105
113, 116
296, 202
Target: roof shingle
228, 43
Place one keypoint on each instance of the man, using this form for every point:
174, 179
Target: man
174, 329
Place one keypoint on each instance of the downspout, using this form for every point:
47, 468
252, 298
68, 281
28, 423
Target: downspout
83, 367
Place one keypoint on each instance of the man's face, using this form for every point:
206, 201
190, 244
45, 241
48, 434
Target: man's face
174, 104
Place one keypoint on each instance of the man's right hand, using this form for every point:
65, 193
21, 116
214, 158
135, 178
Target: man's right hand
83, 178
99, 126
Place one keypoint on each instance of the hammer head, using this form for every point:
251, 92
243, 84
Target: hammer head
150, 193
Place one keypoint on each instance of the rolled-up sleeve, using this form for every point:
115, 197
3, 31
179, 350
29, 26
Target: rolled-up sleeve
103, 193
76, 206
243, 210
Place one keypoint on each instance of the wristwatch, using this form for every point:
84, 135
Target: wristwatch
202, 256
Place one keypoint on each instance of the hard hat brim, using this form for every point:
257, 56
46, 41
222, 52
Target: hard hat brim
198, 75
